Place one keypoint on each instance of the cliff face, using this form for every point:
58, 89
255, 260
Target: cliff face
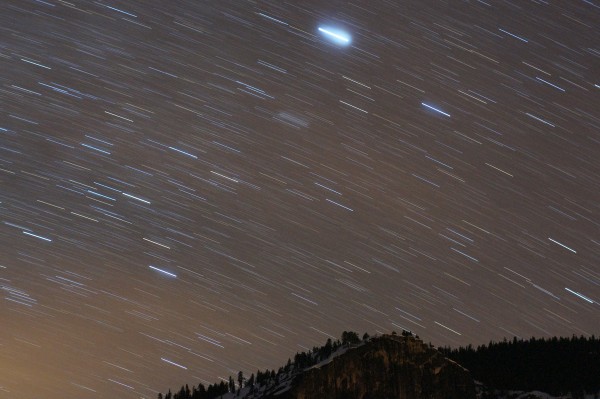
386, 367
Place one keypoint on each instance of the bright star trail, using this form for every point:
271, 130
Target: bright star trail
189, 189
335, 35
439, 111
162, 271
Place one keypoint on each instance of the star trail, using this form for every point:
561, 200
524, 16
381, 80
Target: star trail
192, 188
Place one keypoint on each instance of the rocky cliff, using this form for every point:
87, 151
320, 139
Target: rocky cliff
385, 367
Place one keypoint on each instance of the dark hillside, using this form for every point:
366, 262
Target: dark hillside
556, 366
387, 366
402, 366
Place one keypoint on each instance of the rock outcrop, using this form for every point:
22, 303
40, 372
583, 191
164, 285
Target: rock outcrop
385, 367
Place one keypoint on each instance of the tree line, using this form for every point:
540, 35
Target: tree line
556, 365
268, 378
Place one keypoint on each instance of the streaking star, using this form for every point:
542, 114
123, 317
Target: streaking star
335, 35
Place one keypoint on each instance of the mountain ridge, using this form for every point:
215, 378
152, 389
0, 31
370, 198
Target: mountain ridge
387, 366
403, 366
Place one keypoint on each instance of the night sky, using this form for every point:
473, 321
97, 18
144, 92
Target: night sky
192, 188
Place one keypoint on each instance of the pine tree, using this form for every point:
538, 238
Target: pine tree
240, 380
231, 385
349, 338
181, 394
250, 382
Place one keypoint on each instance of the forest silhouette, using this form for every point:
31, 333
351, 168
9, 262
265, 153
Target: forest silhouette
557, 366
